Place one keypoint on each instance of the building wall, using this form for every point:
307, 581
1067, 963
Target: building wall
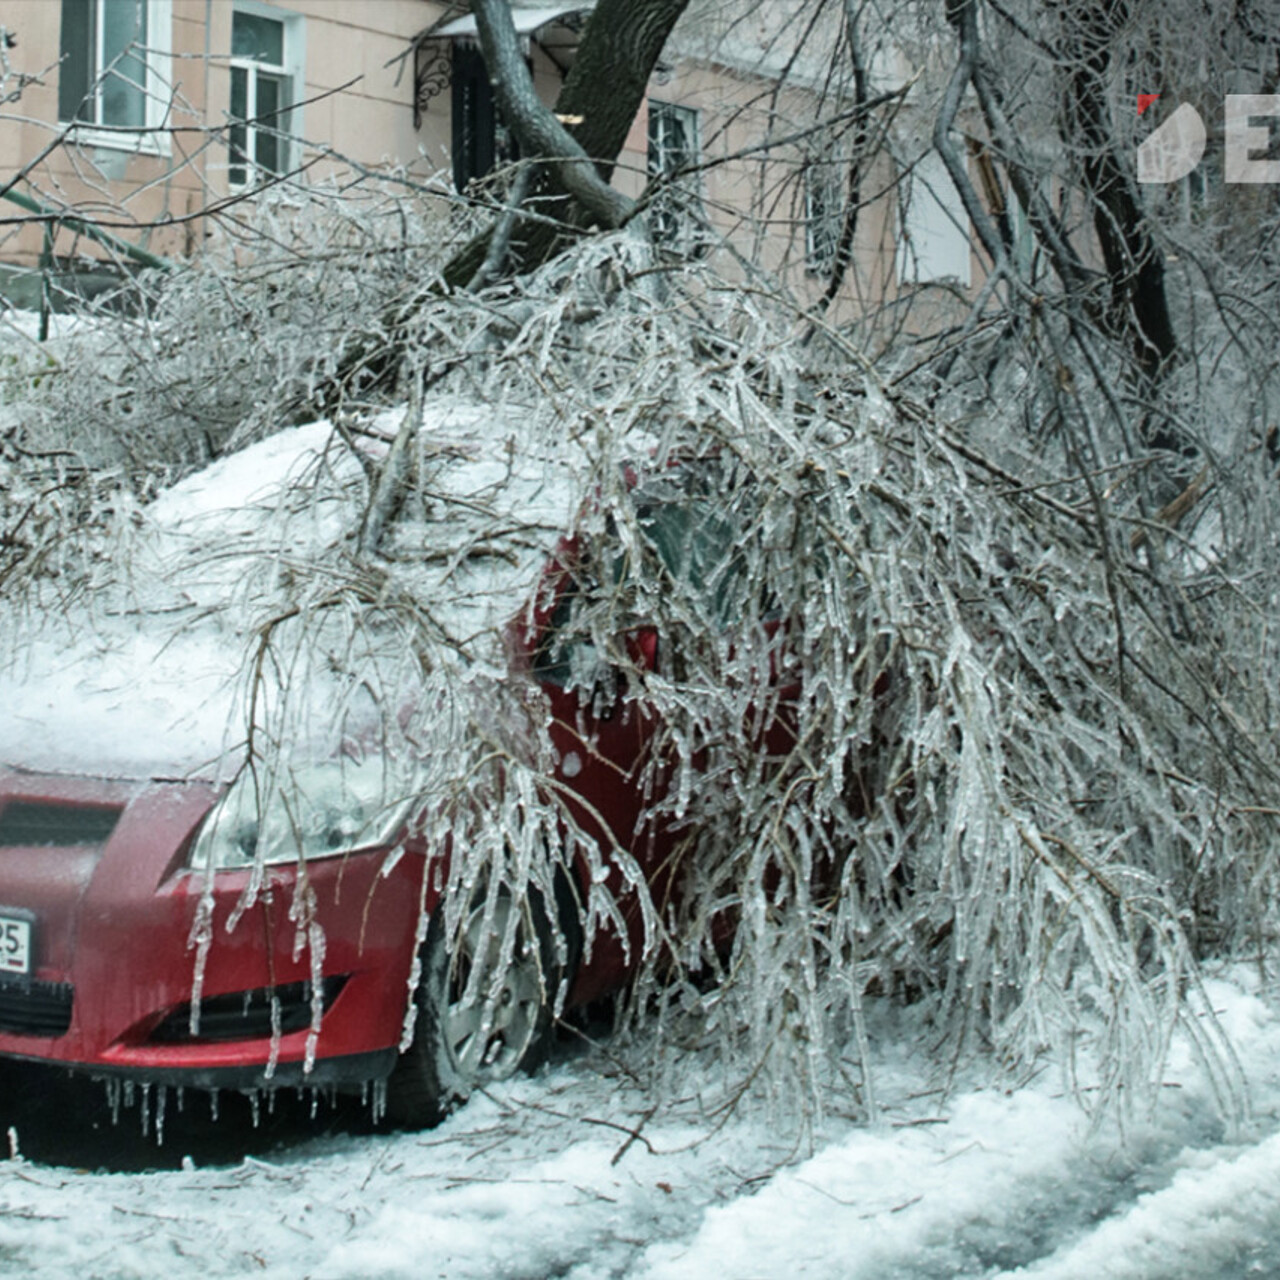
152, 195
753, 190
357, 88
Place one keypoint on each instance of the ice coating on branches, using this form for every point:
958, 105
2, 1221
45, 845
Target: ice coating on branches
926, 732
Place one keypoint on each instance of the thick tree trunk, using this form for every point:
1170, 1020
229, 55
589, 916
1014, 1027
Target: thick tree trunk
601, 96
610, 77
1138, 304
1134, 262
539, 131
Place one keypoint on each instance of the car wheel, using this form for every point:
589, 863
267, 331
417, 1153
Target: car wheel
461, 1043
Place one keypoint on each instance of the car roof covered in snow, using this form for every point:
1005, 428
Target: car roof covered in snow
141, 671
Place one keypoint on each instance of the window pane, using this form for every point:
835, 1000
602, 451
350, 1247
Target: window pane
266, 144
676, 214
239, 93
75, 76
824, 211
237, 174
256, 38
934, 227
698, 546
672, 134
124, 35
237, 134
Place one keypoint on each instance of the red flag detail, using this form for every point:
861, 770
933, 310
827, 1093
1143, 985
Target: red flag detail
1145, 100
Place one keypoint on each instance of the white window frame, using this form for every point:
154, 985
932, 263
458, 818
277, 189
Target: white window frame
933, 228
293, 68
158, 55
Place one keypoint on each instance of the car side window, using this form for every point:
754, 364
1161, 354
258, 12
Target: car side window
694, 543
555, 660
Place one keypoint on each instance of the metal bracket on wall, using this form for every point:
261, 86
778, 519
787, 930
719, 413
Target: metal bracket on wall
432, 69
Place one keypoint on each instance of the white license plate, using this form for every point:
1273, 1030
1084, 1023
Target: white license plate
15, 945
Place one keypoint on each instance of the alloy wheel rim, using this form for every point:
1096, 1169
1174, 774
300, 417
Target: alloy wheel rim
488, 1035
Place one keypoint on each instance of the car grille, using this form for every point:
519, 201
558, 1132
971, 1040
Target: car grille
35, 1009
246, 1015
25, 823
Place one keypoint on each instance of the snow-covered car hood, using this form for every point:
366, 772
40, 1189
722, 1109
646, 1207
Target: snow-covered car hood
146, 672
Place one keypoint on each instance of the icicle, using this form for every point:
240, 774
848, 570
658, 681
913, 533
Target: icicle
113, 1099
317, 941
213, 1105
273, 1055
391, 861
201, 938
411, 1005
161, 1095
145, 1109
255, 1104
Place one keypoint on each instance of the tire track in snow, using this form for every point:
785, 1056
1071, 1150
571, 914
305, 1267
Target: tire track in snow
1218, 1218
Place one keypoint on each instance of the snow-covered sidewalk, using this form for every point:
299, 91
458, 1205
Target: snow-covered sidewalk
569, 1174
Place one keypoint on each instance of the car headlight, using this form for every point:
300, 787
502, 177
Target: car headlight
312, 811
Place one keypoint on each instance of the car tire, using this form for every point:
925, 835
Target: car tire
459, 1046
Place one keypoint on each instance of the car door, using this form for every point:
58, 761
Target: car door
604, 742
611, 762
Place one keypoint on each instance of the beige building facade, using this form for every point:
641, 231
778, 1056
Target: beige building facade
129, 107
142, 116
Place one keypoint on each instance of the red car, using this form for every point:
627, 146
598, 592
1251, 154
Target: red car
115, 897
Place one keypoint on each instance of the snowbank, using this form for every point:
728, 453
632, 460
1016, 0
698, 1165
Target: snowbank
140, 670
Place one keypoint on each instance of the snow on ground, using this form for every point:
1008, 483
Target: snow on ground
544, 1178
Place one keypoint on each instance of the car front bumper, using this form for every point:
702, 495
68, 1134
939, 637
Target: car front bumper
124, 936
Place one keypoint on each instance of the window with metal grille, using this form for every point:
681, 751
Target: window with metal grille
676, 216
824, 200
